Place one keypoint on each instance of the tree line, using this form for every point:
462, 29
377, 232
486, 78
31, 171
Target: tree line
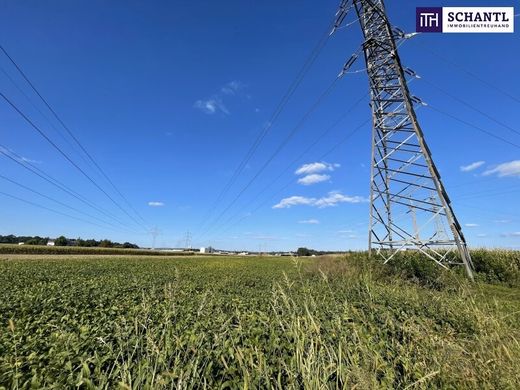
64, 241
309, 252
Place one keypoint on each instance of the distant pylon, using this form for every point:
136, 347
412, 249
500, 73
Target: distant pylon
403, 174
188, 240
154, 232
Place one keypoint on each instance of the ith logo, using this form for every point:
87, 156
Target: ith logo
429, 19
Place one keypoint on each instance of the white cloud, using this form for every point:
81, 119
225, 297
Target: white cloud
472, 166
502, 221
211, 106
19, 158
471, 225
481, 235
293, 201
310, 222
316, 167
332, 199
28, 160
313, 179
232, 87
155, 204
512, 234
345, 231
215, 103
511, 168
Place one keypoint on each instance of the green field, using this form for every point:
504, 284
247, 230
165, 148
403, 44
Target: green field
245, 322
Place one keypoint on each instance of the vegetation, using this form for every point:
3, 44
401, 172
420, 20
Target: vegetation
272, 322
309, 252
63, 241
7, 249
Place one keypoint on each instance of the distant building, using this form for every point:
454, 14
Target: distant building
21, 243
207, 250
50, 243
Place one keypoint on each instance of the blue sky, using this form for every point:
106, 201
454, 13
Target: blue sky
169, 96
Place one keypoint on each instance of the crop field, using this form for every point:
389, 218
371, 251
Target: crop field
257, 322
14, 249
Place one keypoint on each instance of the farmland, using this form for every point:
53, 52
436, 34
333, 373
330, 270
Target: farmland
249, 322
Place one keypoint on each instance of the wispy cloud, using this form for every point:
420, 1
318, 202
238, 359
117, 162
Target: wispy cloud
470, 225
472, 166
313, 179
316, 167
332, 199
232, 88
310, 222
25, 159
155, 204
17, 157
512, 234
511, 168
502, 221
481, 235
211, 106
215, 104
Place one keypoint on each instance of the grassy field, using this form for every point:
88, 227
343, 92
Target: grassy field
230, 322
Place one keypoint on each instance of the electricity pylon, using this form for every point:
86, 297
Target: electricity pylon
154, 232
402, 169
187, 244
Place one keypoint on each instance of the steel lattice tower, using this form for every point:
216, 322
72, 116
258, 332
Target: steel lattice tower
407, 197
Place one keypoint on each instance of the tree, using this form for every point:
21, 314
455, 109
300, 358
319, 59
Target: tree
303, 252
37, 240
106, 244
61, 241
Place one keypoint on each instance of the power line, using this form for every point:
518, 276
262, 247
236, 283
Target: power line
324, 155
471, 74
267, 200
308, 149
474, 126
277, 151
65, 155
71, 134
472, 107
274, 116
60, 133
55, 200
55, 182
49, 209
